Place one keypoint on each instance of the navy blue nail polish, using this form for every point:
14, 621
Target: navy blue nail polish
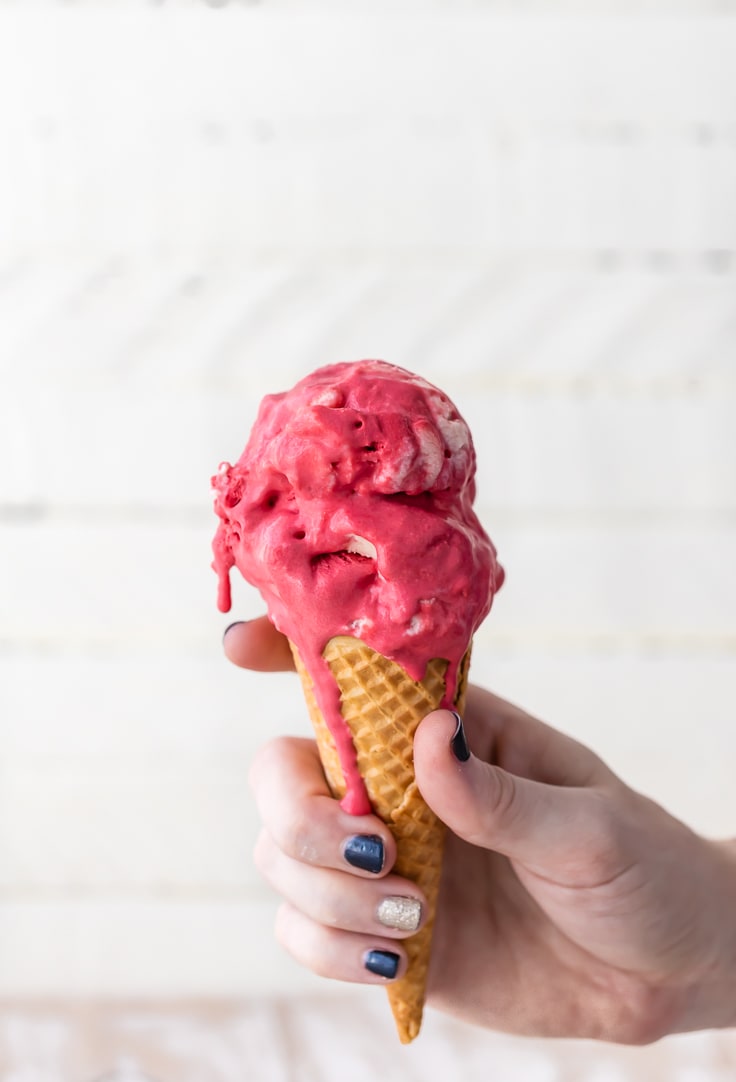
233, 624
459, 742
383, 963
365, 851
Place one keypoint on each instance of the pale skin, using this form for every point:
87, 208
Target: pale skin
570, 906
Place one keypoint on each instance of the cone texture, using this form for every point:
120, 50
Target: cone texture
382, 707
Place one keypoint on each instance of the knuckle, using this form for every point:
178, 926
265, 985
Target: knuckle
604, 843
265, 760
262, 852
282, 926
296, 837
637, 1012
503, 795
500, 799
307, 942
331, 916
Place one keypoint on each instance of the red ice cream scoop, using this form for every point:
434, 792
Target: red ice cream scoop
351, 510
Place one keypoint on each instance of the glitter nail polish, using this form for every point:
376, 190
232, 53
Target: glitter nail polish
399, 912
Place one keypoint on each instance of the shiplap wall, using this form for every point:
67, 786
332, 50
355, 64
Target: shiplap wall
534, 205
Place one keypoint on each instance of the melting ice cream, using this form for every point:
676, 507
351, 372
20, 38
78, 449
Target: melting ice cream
351, 510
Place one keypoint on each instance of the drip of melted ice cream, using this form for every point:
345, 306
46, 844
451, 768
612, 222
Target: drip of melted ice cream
350, 510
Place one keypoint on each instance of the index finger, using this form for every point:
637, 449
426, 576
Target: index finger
256, 644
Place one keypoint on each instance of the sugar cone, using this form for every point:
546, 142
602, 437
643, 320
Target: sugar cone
382, 707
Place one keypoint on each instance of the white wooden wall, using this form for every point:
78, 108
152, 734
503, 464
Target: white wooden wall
532, 204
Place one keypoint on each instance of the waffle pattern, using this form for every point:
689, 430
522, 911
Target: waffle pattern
382, 707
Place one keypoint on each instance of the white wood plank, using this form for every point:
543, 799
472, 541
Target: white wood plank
512, 323
166, 713
149, 587
109, 791
124, 581
119, 825
562, 453
642, 9
632, 200
121, 448
240, 131
126, 948
595, 362
654, 582
160, 709
577, 65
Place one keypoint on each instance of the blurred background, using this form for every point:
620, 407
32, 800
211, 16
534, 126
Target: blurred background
532, 204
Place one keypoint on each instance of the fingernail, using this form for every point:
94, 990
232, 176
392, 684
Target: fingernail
235, 623
459, 742
399, 912
383, 963
365, 851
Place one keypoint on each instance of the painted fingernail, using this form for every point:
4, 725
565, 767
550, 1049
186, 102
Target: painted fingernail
383, 963
459, 742
399, 912
235, 623
365, 851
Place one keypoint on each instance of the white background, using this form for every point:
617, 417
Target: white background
531, 204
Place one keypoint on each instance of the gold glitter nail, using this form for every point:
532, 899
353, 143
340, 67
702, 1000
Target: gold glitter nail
404, 914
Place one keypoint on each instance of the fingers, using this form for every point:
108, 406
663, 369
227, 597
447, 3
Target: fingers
567, 833
256, 644
388, 906
303, 819
344, 913
343, 956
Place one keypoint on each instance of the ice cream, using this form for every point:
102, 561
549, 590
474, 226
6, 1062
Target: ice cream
350, 510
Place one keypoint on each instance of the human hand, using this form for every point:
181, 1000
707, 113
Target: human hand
570, 905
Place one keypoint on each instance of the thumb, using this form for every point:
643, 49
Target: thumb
540, 826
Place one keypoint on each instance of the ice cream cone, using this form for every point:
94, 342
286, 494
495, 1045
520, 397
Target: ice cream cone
351, 507
382, 707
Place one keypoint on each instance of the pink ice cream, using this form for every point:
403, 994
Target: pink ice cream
350, 510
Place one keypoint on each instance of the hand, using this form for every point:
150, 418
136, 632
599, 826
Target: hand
570, 905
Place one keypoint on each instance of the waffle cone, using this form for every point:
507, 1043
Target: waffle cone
382, 707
